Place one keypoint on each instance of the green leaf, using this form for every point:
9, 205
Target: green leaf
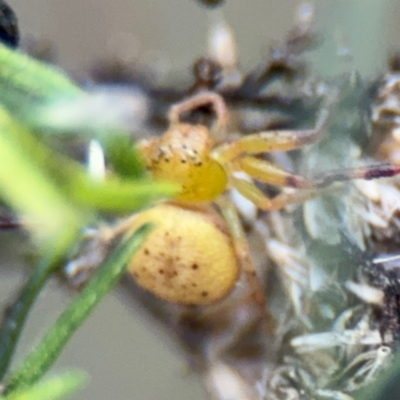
26, 186
52, 188
123, 156
25, 82
46, 352
114, 195
52, 388
15, 318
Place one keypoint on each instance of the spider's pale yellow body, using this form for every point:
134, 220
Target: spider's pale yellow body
193, 256
188, 258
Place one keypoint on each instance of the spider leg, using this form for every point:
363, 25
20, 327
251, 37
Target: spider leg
266, 172
199, 100
367, 172
256, 196
241, 248
274, 140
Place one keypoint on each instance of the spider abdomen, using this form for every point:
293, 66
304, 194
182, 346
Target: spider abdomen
187, 258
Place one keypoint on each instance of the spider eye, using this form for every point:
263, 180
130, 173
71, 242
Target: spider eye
9, 33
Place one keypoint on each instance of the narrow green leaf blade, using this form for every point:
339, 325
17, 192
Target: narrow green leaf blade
53, 388
114, 195
26, 187
25, 81
15, 318
47, 351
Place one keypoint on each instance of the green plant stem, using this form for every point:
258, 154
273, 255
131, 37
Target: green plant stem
15, 317
44, 355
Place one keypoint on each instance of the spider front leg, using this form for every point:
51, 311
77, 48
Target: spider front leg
230, 155
273, 140
235, 159
202, 99
257, 197
268, 173
367, 173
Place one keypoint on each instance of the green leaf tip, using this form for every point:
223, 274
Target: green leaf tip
52, 388
24, 79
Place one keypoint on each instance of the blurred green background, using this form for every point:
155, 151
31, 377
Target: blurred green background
123, 352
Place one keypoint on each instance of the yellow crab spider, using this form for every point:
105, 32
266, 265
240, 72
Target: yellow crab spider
194, 255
